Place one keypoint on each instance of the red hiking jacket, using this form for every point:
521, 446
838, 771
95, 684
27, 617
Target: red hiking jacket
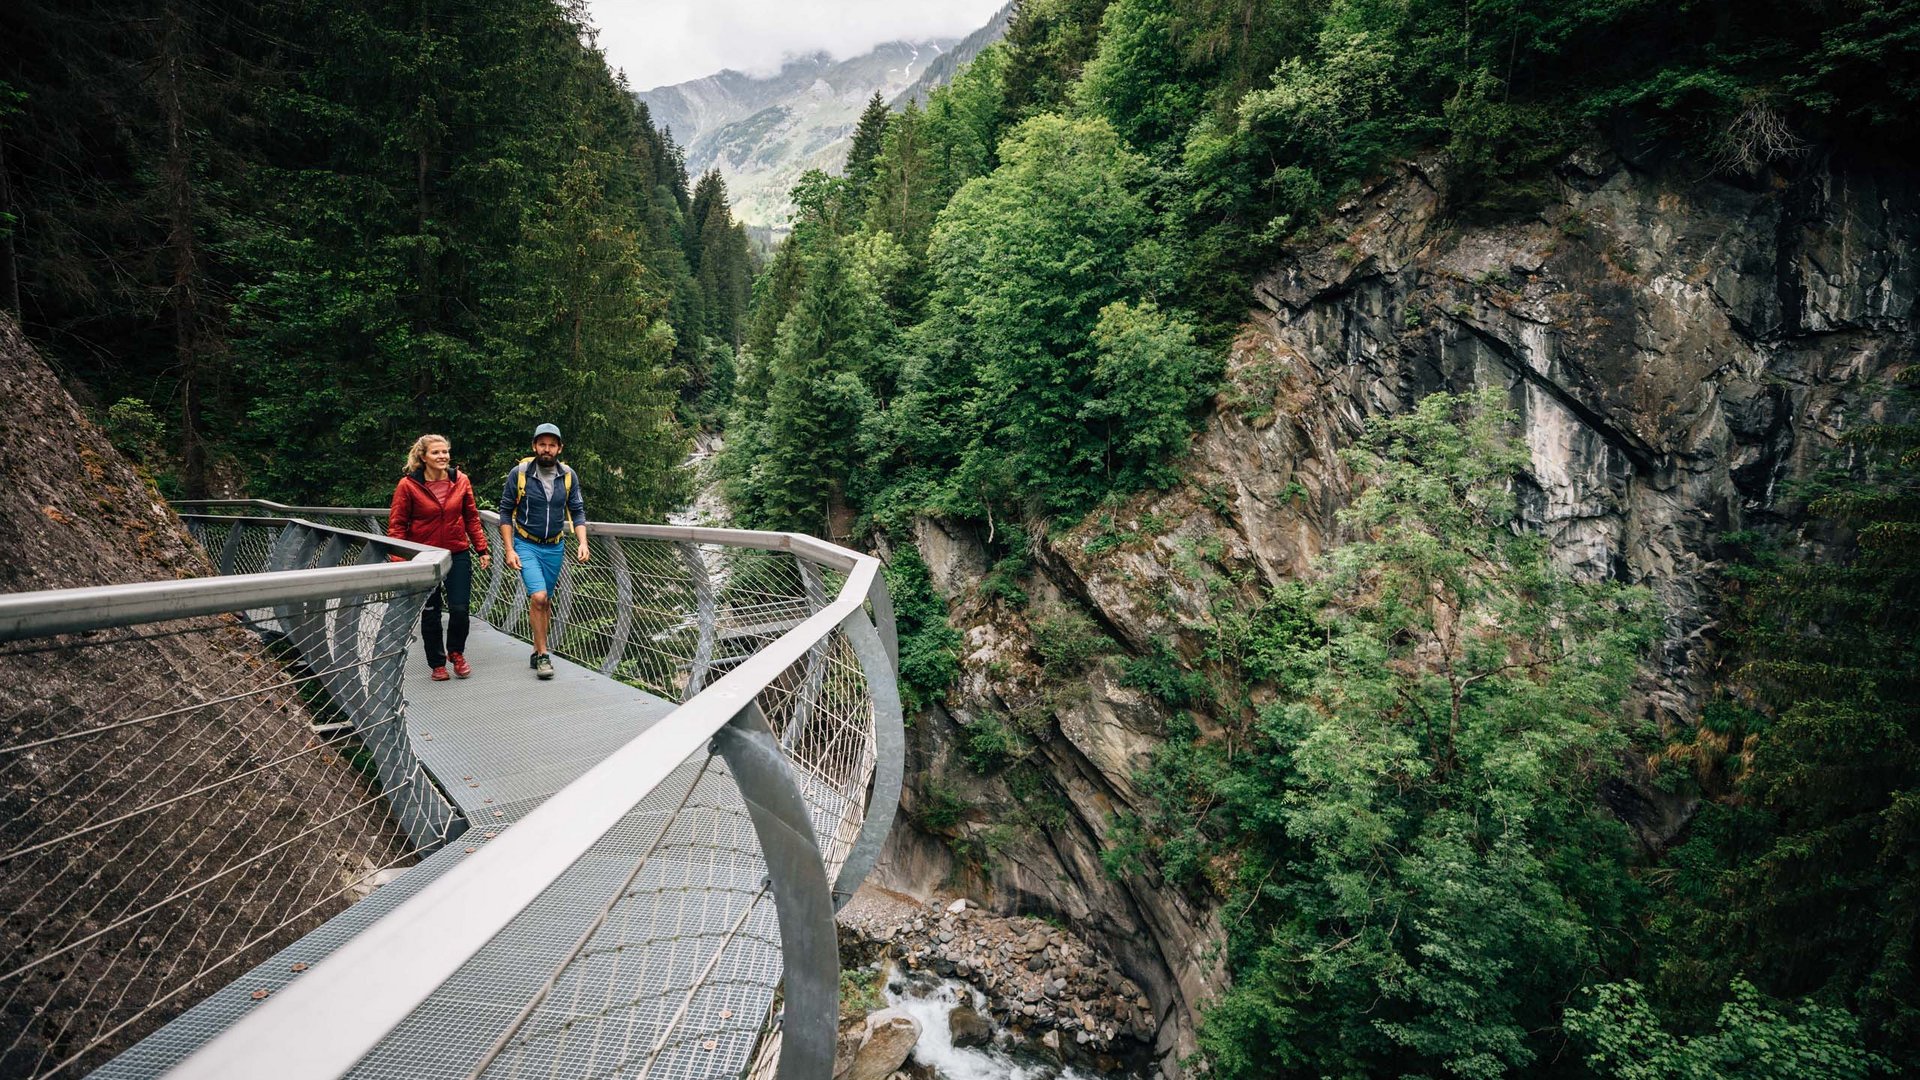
417, 516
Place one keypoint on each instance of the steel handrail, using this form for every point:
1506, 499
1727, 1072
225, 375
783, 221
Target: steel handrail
371, 984
814, 548
66, 611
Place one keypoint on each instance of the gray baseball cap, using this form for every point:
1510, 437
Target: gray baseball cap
547, 429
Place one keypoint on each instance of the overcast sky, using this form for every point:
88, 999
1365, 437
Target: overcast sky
660, 42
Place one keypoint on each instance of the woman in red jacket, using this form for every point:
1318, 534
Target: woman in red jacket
433, 504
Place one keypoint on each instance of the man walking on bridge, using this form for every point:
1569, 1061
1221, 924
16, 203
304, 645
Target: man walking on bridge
541, 501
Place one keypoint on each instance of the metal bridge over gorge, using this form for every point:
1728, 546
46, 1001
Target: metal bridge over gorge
242, 834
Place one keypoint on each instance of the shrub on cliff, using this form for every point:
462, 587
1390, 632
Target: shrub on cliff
1421, 872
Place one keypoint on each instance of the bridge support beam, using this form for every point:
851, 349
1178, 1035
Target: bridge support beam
707, 608
889, 743
801, 896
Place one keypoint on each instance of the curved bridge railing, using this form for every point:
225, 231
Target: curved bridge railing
195, 773
776, 651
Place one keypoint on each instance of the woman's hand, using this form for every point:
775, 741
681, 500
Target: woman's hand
486, 560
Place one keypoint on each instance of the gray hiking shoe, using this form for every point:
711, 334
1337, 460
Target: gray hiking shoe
543, 666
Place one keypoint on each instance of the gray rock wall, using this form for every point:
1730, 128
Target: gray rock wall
1679, 350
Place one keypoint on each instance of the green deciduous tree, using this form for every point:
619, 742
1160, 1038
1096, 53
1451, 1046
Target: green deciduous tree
1753, 1038
1023, 262
1148, 375
1138, 79
1423, 871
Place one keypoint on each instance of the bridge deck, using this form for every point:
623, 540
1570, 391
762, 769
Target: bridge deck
504, 740
674, 983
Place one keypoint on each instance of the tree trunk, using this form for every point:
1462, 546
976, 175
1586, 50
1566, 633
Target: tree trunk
183, 292
9, 224
427, 303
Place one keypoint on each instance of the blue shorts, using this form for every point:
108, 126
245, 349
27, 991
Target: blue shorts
540, 564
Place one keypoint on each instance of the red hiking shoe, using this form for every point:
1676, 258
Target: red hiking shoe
461, 669
440, 674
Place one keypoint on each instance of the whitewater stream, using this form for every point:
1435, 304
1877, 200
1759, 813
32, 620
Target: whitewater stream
931, 1004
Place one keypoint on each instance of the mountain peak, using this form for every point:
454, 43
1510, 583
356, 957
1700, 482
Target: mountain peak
762, 131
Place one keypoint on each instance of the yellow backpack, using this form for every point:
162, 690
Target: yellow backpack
520, 500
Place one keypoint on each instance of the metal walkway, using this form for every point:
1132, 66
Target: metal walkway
668, 914
498, 744
501, 742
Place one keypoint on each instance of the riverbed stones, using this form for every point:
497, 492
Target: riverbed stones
968, 1027
1036, 979
881, 1046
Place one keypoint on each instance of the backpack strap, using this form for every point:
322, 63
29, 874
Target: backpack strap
520, 500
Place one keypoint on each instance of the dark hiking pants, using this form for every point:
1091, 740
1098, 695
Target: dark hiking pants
455, 594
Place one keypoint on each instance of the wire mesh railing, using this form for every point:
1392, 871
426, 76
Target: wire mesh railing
698, 865
669, 609
193, 775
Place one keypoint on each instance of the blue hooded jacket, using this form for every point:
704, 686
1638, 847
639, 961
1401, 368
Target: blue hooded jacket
538, 516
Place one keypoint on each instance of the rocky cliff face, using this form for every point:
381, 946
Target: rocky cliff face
1679, 350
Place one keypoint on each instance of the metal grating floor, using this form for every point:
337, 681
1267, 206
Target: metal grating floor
675, 984
504, 736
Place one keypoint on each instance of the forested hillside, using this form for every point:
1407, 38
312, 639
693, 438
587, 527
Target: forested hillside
274, 242
1401, 513
1479, 779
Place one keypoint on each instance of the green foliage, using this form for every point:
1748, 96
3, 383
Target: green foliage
1125, 852
1147, 378
1022, 263
304, 257
862, 990
929, 645
1813, 886
136, 431
1067, 639
868, 137
993, 744
791, 455
1753, 1038
583, 327
1136, 79
1408, 839
1161, 673
1002, 580
944, 808
133, 429
1049, 41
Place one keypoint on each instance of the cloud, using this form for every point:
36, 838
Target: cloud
661, 42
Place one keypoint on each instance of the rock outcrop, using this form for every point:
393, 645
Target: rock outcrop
1038, 980
878, 1047
200, 713
1679, 350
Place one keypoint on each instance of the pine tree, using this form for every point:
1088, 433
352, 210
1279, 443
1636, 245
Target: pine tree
589, 334
867, 137
1817, 885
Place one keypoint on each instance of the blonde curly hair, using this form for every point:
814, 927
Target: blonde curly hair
417, 453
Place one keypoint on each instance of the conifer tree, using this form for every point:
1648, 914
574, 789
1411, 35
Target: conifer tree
1816, 884
588, 332
867, 137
